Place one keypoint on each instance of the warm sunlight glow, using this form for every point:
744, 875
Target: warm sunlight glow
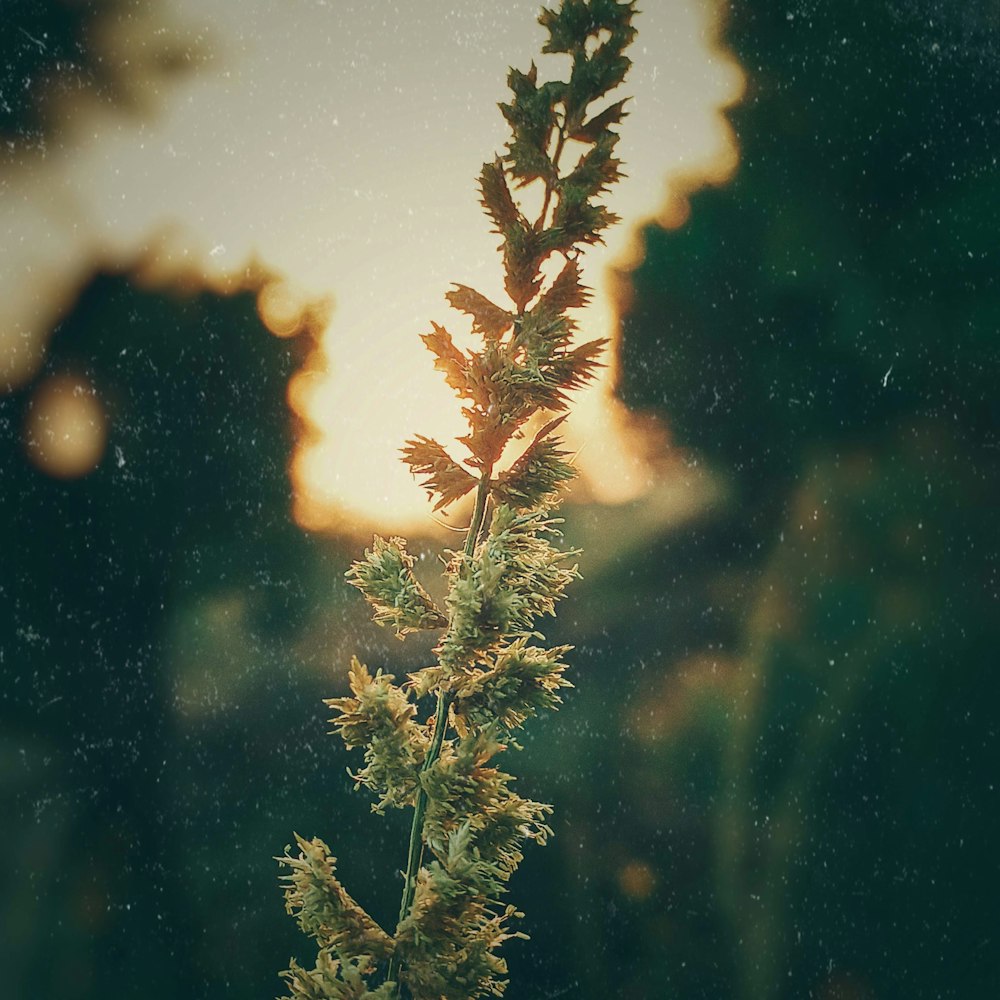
358, 426
343, 157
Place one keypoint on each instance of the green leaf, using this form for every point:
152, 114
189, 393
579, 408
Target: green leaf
568, 27
514, 576
447, 943
602, 72
545, 327
572, 369
333, 979
380, 717
532, 118
519, 682
576, 220
597, 169
594, 76
577, 20
592, 130
496, 198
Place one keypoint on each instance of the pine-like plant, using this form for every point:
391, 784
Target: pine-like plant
469, 825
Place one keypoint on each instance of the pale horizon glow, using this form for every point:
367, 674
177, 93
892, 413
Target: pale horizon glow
337, 144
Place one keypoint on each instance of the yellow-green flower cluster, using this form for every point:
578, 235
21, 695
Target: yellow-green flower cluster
385, 577
380, 718
350, 942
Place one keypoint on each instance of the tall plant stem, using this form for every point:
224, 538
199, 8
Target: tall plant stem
445, 699
549, 186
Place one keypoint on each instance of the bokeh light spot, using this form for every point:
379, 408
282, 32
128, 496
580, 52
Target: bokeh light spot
65, 429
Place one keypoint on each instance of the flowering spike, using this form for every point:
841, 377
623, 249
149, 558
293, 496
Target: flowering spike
324, 910
385, 577
469, 824
380, 718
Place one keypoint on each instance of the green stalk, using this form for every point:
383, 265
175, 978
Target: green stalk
445, 699
549, 188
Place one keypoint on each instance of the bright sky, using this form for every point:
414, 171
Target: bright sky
338, 142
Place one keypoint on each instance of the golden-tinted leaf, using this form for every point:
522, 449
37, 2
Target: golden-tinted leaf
487, 317
443, 477
449, 359
524, 249
486, 441
542, 331
545, 327
572, 369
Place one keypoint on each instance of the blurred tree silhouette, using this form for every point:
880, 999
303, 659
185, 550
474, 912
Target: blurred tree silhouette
52, 49
45, 39
823, 331
187, 516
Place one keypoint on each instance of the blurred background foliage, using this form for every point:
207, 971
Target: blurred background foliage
777, 777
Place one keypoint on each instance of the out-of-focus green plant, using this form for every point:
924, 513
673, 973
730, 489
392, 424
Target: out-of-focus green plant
469, 825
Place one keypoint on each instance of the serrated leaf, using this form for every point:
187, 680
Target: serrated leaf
548, 380
592, 130
523, 251
448, 358
443, 477
496, 198
520, 681
538, 474
594, 76
597, 169
379, 716
487, 439
323, 907
529, 162
575, 21
487, 317
576, 220
572, 369
568, 27
532, 118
